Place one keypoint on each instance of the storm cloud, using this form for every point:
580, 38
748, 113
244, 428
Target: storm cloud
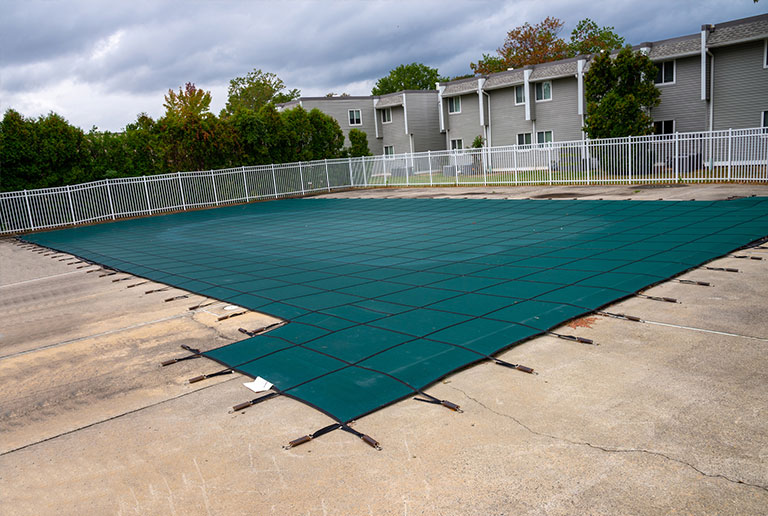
102, 63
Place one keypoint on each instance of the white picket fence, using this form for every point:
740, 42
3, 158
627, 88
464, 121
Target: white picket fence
718, 156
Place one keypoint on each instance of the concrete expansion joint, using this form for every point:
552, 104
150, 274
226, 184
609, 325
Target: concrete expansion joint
609, 450
117, 416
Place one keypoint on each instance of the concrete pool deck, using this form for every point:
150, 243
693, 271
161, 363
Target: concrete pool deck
663, 416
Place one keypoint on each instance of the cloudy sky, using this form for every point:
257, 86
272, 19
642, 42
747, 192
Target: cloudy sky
103, 62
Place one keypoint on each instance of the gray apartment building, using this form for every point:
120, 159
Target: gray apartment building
711, 80
395, 123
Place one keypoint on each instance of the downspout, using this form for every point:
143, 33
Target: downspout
440, 90
711, 91
527, 86
405, 119
480, 102
580, 81
490, 128
704, 29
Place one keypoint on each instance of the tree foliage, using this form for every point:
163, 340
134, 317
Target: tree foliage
540, 43
620, 93
414, 76
256, 90
358, 144
588, 38
48, 151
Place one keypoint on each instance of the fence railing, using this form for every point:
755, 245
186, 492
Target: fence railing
716, 156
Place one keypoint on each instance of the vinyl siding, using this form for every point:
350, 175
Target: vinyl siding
464, 125
394, 133
339, 109
559, 114
681, 101
507, 119
741, 85
424, 122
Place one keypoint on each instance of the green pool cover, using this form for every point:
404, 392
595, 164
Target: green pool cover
386, 296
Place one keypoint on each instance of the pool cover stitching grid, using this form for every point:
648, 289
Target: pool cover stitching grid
535, 271
424, 337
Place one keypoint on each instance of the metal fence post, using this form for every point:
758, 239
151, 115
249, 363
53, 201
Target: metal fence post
677, 157
327, 177
456, 166
407, 180
274, 181
514, 164
365, 174
301, 176
71, 206
484, 165
730, 152
181, 191
29, 210
146, 193
351, 181
629, 157
429, 159
111, 206
245, 185
215, 193
549, 163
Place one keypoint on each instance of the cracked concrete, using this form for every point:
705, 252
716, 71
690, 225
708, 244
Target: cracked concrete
603, 448
654, 419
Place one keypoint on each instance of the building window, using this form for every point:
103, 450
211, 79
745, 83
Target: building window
664, 127
519, 95
544, 137
524, 139
457, 144
355, 118
666, 73
389, 150
765, 119
543, 91
454, 104
386, 115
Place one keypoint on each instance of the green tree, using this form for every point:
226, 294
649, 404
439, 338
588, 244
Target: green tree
588, 38
255, 90
620, 93
327, 138
189, 102
414, 76
358, 143
190, 137
534, 44
524, 45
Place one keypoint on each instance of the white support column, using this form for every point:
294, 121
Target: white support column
351, 180
580, 86
327, 177
527, 86
704, 29
71, 206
